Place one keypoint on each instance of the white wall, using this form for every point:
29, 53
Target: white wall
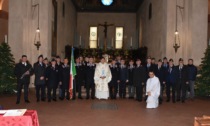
158, 33
192, 29
22, 27
153, 30
66, 26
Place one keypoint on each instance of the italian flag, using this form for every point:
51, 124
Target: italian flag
72, 73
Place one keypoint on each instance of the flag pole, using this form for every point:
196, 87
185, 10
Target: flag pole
72, 74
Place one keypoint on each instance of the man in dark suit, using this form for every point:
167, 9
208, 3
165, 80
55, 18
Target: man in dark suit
79, 78
192, 72
149, 66
160, 72
86, 61
171, 81
113, 84
39, 71
90, 71
118, 60
46, 64
65, 77
139, 78
165, 63
123, 77
153, 61
52, 77
23, 71
183, 81
130, 78
59, 66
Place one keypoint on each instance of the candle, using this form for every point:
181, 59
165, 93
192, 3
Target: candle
5, 38
112, 42
209, 42
98, 41
80, 40
131, 41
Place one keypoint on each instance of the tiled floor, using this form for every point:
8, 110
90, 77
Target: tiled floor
121, 112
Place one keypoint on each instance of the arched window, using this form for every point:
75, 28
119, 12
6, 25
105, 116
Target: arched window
150, 11
93, 41
118, 38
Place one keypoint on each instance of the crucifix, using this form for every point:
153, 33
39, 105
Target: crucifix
105, 25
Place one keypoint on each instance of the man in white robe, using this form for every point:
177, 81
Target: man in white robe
152, 91
102, 77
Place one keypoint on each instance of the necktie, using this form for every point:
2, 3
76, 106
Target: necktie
180, 72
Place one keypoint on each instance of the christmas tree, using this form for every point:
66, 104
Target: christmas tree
7, 64
203, 80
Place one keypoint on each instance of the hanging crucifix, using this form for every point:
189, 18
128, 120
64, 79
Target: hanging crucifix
105, 25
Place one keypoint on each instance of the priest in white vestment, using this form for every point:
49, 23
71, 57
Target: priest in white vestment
152, 91
102, 77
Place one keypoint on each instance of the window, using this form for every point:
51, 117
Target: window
93, 37
150, 11
119, 38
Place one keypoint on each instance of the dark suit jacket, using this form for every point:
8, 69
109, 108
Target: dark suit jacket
123, 75
172, 76
184, 73
79, 78
39, 71
130, 73
89, 74
59, 71
192, 72
20, 69
161, 73
139, 75
115, 75
65, 76
52, 75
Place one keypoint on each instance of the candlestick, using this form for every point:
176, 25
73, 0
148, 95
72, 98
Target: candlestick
131, 41
98, 41
80, 40
5, 38
112, 42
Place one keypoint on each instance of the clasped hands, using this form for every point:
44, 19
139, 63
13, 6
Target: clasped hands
125, 81
149, 93
103, 77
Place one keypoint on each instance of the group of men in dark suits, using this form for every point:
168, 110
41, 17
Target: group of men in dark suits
177, 79
55, 75
47, 75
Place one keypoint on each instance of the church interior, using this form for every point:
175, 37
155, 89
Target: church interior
130, 28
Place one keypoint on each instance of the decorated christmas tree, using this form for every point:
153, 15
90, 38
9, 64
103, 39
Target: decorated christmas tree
7, 64
203, 80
